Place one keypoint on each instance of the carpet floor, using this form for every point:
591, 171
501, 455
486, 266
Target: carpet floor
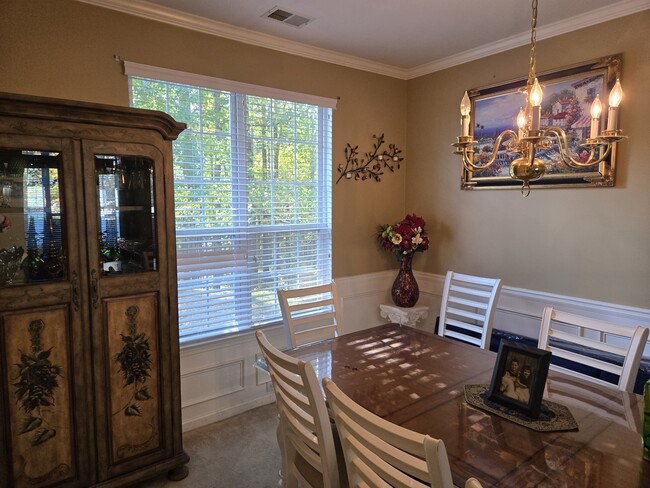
239, 452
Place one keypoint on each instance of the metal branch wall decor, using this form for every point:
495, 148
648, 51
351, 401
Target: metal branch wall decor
374, 163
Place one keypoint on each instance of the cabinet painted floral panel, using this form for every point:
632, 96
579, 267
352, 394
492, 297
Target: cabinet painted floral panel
134, 391
38, 385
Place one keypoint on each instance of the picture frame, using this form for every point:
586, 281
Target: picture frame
519, 377
568, 93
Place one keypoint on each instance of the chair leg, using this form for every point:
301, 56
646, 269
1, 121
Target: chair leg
283, 466
290, 477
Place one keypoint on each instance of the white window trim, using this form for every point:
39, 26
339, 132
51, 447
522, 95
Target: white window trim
173, 76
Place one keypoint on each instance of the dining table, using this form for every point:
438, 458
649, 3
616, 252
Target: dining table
416, 379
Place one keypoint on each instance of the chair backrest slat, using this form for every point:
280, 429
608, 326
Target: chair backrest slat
466, 314
464, 338
468, 307
594, 344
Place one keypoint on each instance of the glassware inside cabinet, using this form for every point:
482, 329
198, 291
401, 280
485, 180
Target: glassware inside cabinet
32, 230
127, 218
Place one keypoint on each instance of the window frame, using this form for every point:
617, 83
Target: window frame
321, 226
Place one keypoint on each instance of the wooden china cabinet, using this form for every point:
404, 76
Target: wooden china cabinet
89, 357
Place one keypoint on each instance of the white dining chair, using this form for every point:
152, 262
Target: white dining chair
561, 331
571, 392
310, 314
467, 308
379, 453
304, 433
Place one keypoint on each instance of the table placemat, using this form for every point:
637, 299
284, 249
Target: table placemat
552, 416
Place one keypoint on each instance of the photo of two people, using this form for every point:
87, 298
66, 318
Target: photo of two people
516, 380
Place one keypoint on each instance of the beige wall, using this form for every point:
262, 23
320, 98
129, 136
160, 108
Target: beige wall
65, 49
592, 243
589, 243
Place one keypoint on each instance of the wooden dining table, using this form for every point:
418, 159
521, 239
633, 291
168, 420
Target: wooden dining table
416, 379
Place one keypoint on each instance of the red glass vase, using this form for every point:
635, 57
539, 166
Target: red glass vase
405, 291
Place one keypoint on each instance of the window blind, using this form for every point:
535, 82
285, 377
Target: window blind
252, 182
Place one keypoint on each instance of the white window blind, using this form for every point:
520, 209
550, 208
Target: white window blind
252, 181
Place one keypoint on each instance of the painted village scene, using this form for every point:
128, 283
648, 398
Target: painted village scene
566, 104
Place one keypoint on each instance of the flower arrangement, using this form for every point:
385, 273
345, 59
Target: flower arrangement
405, 237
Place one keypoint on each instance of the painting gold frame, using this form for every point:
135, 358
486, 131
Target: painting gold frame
568, 93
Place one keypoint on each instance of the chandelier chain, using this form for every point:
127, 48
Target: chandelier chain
533, 46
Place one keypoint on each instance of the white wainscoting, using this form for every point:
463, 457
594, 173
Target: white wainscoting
219, 380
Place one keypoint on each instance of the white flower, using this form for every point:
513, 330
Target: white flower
396, 239
416, 240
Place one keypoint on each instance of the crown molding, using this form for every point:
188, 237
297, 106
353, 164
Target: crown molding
594, 17
174, 17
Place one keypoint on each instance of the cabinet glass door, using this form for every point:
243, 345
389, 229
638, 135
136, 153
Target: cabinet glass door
32, 246
127, 219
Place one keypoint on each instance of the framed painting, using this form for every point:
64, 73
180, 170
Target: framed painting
568, 94
519, 377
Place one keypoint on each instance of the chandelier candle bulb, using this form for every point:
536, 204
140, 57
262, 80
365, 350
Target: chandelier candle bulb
465, 108
521, 122
536, 94
596, 109
615, 97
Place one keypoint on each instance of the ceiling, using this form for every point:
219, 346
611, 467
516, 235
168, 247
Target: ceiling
404, 39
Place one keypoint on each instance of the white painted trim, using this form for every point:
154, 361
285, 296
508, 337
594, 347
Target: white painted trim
215, 394
531, 303
200, 346
593, 17
174, 17
365, 284
174, 76
528, 302
218, 415
518, 311
214, 367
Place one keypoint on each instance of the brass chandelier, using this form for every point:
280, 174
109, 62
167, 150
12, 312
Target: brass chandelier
531, 138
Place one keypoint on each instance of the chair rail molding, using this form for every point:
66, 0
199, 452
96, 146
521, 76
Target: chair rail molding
219, 379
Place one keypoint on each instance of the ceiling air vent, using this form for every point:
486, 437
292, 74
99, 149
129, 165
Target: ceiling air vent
287, 17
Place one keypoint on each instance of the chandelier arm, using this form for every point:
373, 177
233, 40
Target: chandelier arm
566, 157
468, 152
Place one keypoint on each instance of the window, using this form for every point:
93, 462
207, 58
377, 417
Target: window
252, 181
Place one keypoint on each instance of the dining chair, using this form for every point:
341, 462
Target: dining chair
304, 433
617, 408
468, 307
379, 453
587, 345
310, 314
